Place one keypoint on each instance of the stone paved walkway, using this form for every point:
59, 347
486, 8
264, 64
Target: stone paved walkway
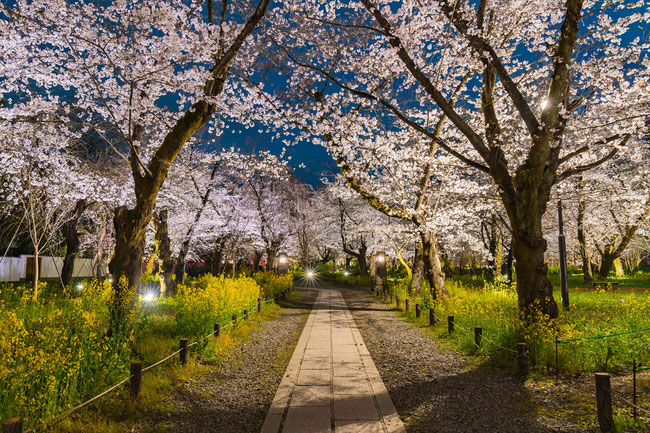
331, 383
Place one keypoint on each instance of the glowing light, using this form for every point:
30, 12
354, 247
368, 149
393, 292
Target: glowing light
283, 260
346, 273
80, 286
110, 279
381, 258
544, 104
148, 297
310, 274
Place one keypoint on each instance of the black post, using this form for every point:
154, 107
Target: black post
417, 310
217, 329
245, 314
634, 388
604, 402
135, 383
13, 425
183, 353
450, 324
259, 305
397, 301
407, 305
432, 316
564, 278
478, 335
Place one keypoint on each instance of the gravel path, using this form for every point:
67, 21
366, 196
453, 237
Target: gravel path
436, 390
235, 396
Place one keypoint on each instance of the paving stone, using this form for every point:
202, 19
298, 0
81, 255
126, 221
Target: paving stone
314, 377
358, 427
308, 420
354, 407
311, 395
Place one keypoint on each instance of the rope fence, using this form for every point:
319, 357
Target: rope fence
521, 355
15, 425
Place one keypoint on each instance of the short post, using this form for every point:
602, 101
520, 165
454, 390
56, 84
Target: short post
522, 359
450, 324
417, 311
407, 305
397, 300
246, 314
217, 330
432, 317
385, 296
634, 367
478, 335
604, 402
259, 305
234, 319
391, 298
13, 425
135, 383
183, 352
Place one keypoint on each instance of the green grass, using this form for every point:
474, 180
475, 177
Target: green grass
59, 354
592, 312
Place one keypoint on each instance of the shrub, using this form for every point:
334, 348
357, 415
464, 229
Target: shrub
55, 353
207, 300
273, 284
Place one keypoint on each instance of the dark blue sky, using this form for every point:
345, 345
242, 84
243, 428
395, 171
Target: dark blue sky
315, 158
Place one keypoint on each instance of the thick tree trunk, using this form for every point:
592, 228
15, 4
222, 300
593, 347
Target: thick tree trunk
534, 289
217, 256
256, 260
126, 264
270, 258
165, 262
418, 269
71, 237
363, 262
585, 255
432, 265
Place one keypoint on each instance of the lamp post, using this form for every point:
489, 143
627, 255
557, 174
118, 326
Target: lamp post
380, 269
564, 279
283, 264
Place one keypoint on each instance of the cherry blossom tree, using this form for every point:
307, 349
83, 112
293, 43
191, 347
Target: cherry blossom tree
528, 94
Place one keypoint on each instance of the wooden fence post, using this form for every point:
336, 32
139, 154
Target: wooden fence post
217, 330
407, 305
183, 352
478, 335
246, 314
234, 319
432, 317
522, 359
397, 300
391, 298
135, 383
259, 305
417, 311
604, 402
13, 425
450, 324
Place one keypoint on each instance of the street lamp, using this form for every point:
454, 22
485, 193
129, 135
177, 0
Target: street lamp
380, 269
283, 264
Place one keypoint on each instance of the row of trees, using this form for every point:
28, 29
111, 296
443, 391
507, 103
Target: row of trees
463, 120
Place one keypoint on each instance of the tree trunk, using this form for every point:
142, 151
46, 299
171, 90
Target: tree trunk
126, 264
534, 289
363, 262
270, 258
585, 255
432, 265
217, 256
165, 262
256, 260
71, 237
418, 269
